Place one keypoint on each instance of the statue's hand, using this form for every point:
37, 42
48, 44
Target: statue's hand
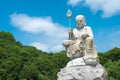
67, 43
70, 31
84, 36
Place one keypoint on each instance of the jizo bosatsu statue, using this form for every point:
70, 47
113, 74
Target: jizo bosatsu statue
84, 64
81, 41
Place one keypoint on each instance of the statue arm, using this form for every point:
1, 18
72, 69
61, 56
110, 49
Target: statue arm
89, 31
71, 35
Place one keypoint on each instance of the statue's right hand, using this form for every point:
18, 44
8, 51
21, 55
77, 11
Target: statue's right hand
70, 31
67, 43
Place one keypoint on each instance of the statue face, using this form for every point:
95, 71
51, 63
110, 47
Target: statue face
80, 21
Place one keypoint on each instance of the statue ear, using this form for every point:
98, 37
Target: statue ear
85, 24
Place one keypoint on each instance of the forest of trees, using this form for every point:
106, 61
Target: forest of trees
19, 62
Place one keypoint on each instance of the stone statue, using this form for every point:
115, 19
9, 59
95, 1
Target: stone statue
84, 63
81, 43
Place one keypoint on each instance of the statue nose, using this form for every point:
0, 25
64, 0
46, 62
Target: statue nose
79, 23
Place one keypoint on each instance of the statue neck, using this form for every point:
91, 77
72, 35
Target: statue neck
80, 28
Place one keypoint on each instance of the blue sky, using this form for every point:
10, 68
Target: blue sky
43, 23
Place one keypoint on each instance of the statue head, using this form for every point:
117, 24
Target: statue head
80, 21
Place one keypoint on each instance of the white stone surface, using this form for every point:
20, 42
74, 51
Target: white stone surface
76, 62
85, 72
82, 61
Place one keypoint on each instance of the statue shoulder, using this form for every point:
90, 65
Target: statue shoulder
87, 28
74, 30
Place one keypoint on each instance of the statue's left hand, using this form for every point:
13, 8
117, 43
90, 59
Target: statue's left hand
84, 36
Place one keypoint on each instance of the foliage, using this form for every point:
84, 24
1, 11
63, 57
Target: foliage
18, 62
111, 61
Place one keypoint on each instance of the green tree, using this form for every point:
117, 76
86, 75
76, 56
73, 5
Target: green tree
19, 62
30, 72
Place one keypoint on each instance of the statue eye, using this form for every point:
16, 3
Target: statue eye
80, 20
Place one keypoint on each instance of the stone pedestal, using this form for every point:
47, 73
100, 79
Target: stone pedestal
78, 70
85, 72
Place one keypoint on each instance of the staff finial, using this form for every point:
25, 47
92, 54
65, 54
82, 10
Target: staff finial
69, 13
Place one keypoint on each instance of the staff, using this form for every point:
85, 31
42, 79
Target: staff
69, 14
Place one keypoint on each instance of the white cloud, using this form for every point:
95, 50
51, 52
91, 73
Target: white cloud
57, 47
108, 7
38, 25
107, 39
114, 38
47, 48
48, 36
74, 2
40, 46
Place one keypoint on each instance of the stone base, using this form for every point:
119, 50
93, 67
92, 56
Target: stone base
82, 61
84, 72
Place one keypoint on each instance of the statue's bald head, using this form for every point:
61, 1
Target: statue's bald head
80, 21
